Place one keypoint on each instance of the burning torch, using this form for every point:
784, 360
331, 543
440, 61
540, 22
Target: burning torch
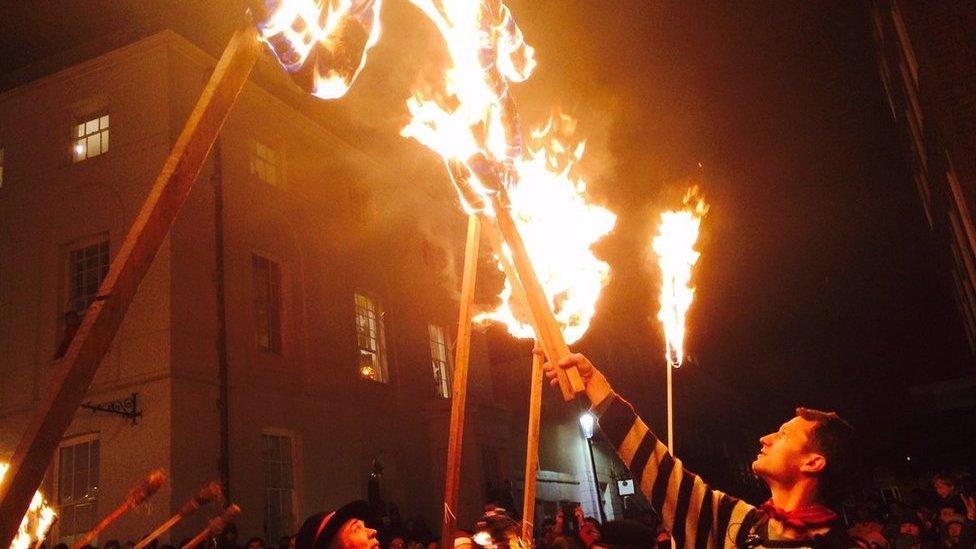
675, 247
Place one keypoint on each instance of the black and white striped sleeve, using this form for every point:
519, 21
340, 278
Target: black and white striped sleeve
696, 515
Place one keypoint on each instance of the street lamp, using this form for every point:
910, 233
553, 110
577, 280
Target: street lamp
587, 421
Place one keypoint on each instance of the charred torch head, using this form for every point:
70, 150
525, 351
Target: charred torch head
322, 43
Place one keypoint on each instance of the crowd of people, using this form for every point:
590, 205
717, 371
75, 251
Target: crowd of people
942, 517
807, 464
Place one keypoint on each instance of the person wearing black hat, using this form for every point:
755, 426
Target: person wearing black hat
344, 528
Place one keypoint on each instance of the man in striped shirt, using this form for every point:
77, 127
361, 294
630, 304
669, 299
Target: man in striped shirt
804, 463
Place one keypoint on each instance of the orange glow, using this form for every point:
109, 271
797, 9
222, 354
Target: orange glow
329, 38
559, 227
472, 116
36, 522
675, 247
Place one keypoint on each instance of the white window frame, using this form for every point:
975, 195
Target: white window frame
440, 359
370, 338
92, 500
88, 135
265, 162
73, 302
293, 445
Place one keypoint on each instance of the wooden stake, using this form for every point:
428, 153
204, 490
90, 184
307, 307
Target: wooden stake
543, 320
459, 387
147, 487
532, 450
207, 494
71, 379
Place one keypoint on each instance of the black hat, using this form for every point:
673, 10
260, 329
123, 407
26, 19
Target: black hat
318, 530
627, 533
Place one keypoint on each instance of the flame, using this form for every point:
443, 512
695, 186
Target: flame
472, 123
36, 522
322, 42
474, 112
675, 246
559, 228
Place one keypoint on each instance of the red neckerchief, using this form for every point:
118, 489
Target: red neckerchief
805, 518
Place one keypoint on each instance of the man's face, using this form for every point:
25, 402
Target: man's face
397, 543
355, 535
942, 488
945, 514
255, 545
954, 530
781, 454
909, 528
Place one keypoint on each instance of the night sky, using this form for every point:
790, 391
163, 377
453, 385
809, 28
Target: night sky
820, 283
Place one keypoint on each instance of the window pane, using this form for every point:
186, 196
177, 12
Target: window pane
105, 141
91, 126
79, 150
77, 488
103, 122
95, 449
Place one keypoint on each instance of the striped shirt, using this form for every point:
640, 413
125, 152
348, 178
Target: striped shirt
698, 516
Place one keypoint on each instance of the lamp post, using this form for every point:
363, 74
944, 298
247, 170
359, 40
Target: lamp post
587, 422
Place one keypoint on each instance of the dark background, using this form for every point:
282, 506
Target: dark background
820, 283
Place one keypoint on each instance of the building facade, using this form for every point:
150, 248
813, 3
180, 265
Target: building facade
925, 58
926, 52
332, 308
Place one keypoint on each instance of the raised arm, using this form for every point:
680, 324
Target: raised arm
695, 514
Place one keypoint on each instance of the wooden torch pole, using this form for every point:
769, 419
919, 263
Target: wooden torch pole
71, 379
459, 387
208, 493
214, 527
532, 450
543, 320
146, 488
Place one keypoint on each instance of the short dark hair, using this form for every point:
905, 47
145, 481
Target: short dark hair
944, 478
834, 439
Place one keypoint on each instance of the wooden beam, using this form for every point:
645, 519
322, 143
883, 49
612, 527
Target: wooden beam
544, 322
459, 387
70, 380
532, 450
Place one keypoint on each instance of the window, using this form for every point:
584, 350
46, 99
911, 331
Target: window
265, 163
439, 360
369, 334
87, 267
77, 489
90, 138
279, 485
267, 304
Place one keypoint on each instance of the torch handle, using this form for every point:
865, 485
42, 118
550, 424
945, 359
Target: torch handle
543, 319
112, 517
146, 488
158, 531
215, 526
208, 493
